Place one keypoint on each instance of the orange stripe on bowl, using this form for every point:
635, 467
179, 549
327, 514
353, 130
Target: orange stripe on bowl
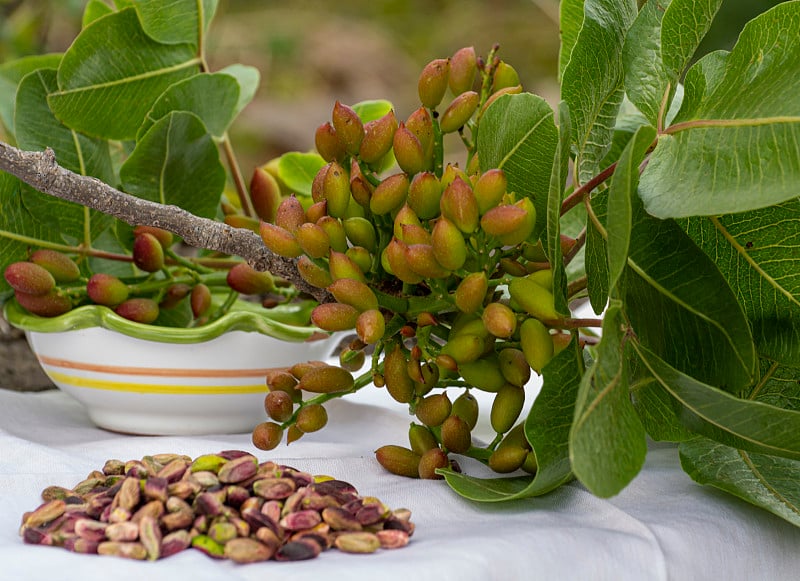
156, 371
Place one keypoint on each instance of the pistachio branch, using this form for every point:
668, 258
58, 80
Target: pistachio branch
41, 171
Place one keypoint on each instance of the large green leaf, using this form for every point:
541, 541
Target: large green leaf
248, 78
592, 80
759, 254
14, 218
94, 10
176, 162
113, 73
519, 136
558, 180
570, 23
11, 74
700, 81
297, 170
547, 429
740, 150
372, 109
176, 21
607, 445
596, 261
744, 424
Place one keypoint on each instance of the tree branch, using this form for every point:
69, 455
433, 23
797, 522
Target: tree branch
41, 171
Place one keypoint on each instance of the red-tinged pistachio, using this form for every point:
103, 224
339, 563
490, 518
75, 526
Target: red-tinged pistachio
370, 326
45, 513
349, 127
497, 94
448, 243
567, 244
311, 418
265, 194
446, 362
312, 273
395, 255
150, 536
299, 370
154, 508
543, 277
504, 76
247, 280
360, 232
238, 469
328, 379
293, 434
279, 405
502, 220
140, 310
328, 144
506, 407
290, 214
422, 260
536, 343
361, 257
560, 342
29, 278
313, 240
409, 151
405, 217
413, 234
534, 252
420, 124
433, 82
463, 67
523, 232
430, 377
280, 241
424, 193
126, 550
507, 459
513, 267
500, 320
378, 137
155, 488
490, 188
175, 542
148, 254
334, 317
164, 237
451, 172
200, 300
395, 372
316, 183
352, 359
464, 348
58, 264
123, 531
432, 410
513, 366
536, 300
267, 435
340, 519
390, 194
336, 190
456, 435
50, 305
459, 111
273, 489
426, 319
335, 231
301, 520
483, 373
240, 221
471, 292
316, 211
298, 550
398, 460
458, 204
354, 293
465, 407
392, 539
342, 267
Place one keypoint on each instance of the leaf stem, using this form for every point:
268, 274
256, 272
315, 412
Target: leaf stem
236, 173
575, 197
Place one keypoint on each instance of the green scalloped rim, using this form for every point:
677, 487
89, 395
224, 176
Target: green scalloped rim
243, 316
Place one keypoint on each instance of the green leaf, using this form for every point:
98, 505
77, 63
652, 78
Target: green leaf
607, 445
620, 197
748, 425
570, 21
779, 385
657, 411
248, 79
113, 73
518, 135
684, 25
765, 481
373, 109
740, 150
547, 429
14, 218
11, 74
176, 162
758, 252
176, 21
297, 170
94, 10
700, 81
596, 260
558, 179
592, 81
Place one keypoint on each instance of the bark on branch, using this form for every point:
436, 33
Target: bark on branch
41, 171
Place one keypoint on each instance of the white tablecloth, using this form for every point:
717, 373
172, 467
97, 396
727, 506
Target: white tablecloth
663, 526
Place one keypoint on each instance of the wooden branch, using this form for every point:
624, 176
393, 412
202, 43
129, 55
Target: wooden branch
41, 171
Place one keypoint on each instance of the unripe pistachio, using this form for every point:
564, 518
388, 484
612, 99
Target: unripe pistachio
421, 439
280, 241
543, 277
523, 232
395, 373
506, 407
451, 172
378, 137
328, 144
560, 342
316, 184
313, 240
140, 310
311, 418
424, 193
497, 94
489, 189
421, 259
326, 379
360, 187
536, 343
247, 280
456, 435
530, 465
459, 111
413, 234
200, 300
350, 359
148, 254
514, 366
536, 300
513, 267
290, 214
434, 409
336, 190
370, 326
164, 237
504, 76
458, 204
390, 194
354, 293
430, 377
395, 255
58, 264
463, 66
267, 435
420, 124
408, 151
265, 193
283, 381
430, 461
468, 324
51, 304
446, 362
448, 243
349, 127
405, 217
312, 273
433, 82
465, 407
500, 320
29, 278
426, 319
503, 220
335, 231
241, 221
471, 292
484, 373
534, 252
334, 316
316, 211
398, 460
464, 348
507, 459
567, 244
174, 294
278, 405
516, 437
342, 267
361, 257
299, 370
106, 289
293, 433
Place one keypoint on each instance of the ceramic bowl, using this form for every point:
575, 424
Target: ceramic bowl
144, 379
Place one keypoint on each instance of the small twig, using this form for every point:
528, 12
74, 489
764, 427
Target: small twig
41, 171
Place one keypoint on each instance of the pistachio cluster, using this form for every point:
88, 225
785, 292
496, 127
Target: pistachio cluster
227, 505
435, 267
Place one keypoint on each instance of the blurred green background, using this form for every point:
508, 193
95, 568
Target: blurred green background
313, 52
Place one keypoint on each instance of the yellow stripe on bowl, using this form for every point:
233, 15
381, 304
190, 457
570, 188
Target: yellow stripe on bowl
106, 385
